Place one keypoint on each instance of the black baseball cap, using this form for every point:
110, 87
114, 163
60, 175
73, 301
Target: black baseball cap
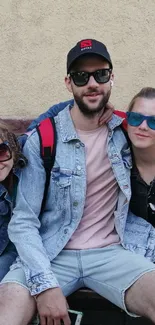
87, 46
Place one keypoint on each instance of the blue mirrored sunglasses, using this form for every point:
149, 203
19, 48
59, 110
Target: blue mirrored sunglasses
136, 119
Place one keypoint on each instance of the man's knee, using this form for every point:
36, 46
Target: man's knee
16, 304
140, 297
13, 289
15, 294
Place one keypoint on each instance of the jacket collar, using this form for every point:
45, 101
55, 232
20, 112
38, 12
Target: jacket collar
68, 132
115, 122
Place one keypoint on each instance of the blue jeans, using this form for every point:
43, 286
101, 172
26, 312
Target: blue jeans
6, 259
109, 271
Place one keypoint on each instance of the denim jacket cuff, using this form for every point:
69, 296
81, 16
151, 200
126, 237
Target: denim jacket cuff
42, 282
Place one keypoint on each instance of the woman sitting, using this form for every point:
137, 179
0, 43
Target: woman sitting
139, 233
141, 131
11, 161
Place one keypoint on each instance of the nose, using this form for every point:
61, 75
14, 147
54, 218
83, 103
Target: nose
92, 82
143, 125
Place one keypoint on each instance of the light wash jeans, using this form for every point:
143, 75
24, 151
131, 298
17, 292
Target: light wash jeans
109, 271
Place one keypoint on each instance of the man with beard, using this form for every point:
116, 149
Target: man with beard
76, 241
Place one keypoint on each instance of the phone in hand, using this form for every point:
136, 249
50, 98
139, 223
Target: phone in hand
75, 316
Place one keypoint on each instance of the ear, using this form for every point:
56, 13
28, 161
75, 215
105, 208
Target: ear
111, 83
68, 84
112, 80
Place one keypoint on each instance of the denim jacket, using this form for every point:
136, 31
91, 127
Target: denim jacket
40, 238
139, 235
6, 206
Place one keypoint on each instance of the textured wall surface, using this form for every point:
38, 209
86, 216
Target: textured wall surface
35, 37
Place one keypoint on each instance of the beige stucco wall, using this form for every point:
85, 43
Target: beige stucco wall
35, 36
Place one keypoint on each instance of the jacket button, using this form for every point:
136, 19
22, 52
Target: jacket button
78, 145
75, 203
65, 231
34, 286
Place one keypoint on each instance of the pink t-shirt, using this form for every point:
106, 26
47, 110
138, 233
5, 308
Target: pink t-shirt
96, 228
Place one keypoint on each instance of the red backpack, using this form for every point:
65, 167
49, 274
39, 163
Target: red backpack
47, 136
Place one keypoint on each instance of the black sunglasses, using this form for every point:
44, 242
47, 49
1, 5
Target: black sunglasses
81, 78
136, 119
5, 152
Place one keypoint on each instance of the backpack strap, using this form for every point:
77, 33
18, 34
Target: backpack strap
123, 125
47, 136
123, 115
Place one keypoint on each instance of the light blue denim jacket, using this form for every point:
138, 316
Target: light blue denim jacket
40, 240
139, 235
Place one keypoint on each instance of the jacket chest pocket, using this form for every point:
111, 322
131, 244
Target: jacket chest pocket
61, 185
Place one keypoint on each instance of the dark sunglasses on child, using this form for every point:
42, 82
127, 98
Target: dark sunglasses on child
81, 78
136, 119
5, 152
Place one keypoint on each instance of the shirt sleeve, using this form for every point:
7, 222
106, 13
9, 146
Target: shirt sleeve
24, 226
51, 112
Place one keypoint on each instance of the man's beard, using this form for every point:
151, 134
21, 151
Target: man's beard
89, 112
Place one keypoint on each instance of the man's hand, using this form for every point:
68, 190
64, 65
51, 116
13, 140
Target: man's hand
107, 115
52, 307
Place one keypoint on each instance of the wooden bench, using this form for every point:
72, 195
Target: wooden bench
97, 310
